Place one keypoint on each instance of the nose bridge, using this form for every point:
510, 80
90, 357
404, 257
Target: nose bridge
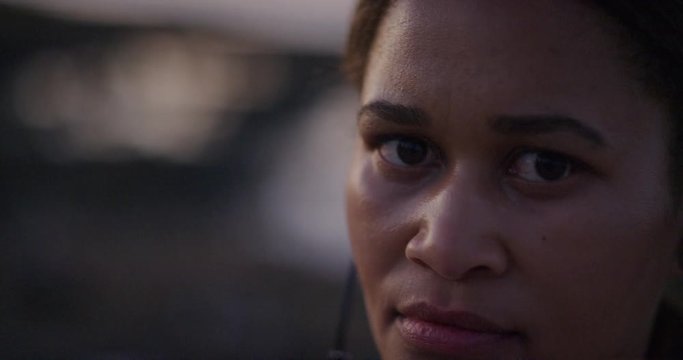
459, 236
458, 208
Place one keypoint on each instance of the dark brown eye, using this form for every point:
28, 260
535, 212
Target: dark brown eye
406, 152
540, 166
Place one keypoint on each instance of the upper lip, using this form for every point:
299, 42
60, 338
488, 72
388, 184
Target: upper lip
457, 318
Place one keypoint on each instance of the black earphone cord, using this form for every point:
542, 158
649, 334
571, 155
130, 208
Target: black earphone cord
339, 352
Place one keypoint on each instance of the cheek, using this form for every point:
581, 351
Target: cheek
598, 263
601, 251
377, 222
380, 225
372, 251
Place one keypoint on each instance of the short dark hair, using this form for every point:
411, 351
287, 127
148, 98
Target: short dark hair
652, 37
364, 26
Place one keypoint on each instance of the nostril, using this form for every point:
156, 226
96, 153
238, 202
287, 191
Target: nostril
420, 262
480, 270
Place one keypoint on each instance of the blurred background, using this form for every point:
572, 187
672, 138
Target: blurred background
172, 179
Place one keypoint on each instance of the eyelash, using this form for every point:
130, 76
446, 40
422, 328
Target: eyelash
511, 163
428, 147
573, 165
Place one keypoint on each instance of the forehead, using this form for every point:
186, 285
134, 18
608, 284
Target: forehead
507, 56
496, 38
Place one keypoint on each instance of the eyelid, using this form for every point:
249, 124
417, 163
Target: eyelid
526, 167
397, 172
389, 151
518, 152
546, 187
375, 140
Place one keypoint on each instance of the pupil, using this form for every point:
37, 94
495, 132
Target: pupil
551, 166
411, 152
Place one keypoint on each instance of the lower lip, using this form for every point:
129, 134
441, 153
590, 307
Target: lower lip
450, 340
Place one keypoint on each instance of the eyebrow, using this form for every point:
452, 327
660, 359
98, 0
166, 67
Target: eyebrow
396, 113
543, 124
405, 115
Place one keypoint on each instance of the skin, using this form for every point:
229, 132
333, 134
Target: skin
575, 266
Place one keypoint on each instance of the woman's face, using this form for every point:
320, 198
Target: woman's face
509, 196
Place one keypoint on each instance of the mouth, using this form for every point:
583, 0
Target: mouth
454, 333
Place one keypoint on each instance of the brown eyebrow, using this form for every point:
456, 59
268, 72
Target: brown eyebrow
399, 114
543, 124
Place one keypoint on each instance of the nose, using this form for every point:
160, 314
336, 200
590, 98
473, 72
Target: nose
459, 236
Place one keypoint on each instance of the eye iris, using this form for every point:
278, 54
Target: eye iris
411, 152
551, 166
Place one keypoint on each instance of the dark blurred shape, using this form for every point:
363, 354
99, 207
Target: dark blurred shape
137, 164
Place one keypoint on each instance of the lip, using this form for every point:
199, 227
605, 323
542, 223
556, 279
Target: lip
453, 332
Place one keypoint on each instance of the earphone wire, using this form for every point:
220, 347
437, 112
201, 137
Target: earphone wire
339, 352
